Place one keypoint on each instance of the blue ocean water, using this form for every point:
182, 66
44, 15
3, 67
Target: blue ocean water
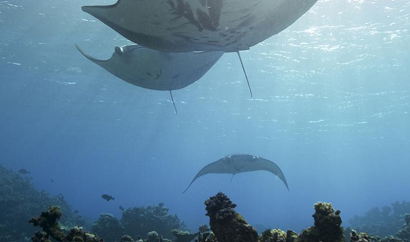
330, 107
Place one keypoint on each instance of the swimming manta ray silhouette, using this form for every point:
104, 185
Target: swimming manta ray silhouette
239, 163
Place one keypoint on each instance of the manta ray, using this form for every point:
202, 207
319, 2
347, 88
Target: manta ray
238, 163
200, 25
157, 70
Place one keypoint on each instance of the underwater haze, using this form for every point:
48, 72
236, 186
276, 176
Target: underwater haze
330, 106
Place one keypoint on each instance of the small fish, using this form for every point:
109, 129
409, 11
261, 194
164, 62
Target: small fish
121, 208
107, 197
24, 171
52, 180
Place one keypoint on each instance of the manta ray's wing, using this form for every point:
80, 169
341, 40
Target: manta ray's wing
157, 70
270, 166
203, 25
215, 167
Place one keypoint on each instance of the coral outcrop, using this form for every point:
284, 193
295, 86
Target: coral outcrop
363, 237
139, 221
277, 235
226, 223
383, 221
48, 221
153, 236
183, 236
20, 201
204, 228
274, 235
327, 226
404, 233
108, 228
359, 237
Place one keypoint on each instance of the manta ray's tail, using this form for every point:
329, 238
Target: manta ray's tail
187, 187
244, 71
172, 98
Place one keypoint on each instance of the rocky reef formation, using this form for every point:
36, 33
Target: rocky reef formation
48, 221
19, 201
137, 222
183, 236
108, 227
277, 235
382, 222
226, 223
404, 233
327, 226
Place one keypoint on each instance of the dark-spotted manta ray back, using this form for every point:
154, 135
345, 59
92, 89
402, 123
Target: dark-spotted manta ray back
200, 25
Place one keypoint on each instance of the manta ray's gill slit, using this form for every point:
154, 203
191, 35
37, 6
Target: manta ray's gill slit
244, 71
173, 103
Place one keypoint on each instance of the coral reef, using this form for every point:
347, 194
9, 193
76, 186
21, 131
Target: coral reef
327, 226
404, 233
206, 237
363, 237
277, 235
126, 238
142, 220
226, 223
152, 221
274, 235
108, 228
382, 221
204, 228
48, 221
183, 236
359, 237
153, 236
19, 201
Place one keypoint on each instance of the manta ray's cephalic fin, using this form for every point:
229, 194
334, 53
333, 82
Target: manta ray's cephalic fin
244, 71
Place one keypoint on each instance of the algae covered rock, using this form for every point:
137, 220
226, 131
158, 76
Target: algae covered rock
277, 235
204, 228
153, 236
183, 236
359, 237
126, 238
226, 223
48, 221
274, 235
291, 236
327, 226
